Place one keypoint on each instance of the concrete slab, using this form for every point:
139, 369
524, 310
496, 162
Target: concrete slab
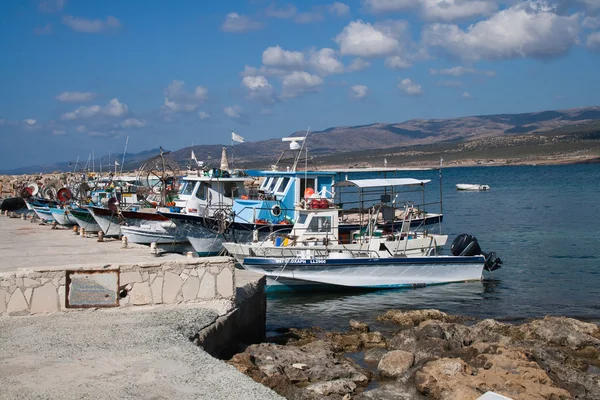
27, 245
138, 353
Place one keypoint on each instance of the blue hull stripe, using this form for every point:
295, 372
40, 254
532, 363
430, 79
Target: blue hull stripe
363, 261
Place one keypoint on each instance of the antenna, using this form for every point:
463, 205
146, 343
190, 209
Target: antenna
124, 152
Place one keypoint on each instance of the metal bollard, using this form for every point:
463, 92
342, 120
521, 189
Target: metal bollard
101, 236
82, 232
124, 240
23, 217
189, 254
76, 229
54, 224
153, 247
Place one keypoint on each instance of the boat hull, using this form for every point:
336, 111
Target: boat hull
150, 234
107, 220
471, 188
85, 220
201, 234
368, 273
62, 217
44, 213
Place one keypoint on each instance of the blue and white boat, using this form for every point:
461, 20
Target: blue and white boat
61, 216
316, 252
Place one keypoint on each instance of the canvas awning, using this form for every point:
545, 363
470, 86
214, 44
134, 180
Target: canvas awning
371, 183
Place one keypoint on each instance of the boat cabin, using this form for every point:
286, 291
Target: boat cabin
207, 193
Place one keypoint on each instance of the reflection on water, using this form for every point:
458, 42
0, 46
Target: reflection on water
543, 222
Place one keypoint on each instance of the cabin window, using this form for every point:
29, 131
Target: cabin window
307, 183
301, 219
201, 192
272, 185
188, 188
266, 183
230, 189
320, 224
282, 185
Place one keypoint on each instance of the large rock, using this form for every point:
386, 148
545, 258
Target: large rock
415, 317
359, 326
508, 373
319, 359
395, 363
337, 386
561, 331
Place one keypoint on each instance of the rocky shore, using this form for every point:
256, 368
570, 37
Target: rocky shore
427, 354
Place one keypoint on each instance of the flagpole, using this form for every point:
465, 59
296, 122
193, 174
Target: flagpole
232, 168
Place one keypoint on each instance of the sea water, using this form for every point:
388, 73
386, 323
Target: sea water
542, 221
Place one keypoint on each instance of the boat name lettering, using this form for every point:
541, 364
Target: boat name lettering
303, 261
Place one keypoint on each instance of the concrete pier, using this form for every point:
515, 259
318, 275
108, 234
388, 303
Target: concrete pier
150, 345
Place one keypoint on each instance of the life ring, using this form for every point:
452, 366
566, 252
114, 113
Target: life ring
276, 211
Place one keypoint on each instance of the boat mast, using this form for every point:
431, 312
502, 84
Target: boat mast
441, 208
124, 152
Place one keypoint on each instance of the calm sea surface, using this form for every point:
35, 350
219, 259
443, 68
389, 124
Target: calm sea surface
543, 221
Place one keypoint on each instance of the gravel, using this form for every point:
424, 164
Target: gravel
142, 353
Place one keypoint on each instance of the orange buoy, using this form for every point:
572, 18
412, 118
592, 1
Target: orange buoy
308, 192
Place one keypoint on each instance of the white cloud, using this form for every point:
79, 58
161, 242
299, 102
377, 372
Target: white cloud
30, 121
440, 10
528, 29
76, 97
259, 88
466, 95
591, 22
339, 9
397, 62
43, 30
51, 6
237, 23
359, 91
235, 112
409, 87
382, 6
450, 10
593, 41
358, 64
275, 56
178, 99
91, 26
263, 71
133, 123
287, 12
114, 108
325, 63
300, 82
176, 90
203, 115
364, 40
460, 71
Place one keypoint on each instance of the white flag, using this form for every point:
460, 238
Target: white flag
236, 138
117, 163
194, 156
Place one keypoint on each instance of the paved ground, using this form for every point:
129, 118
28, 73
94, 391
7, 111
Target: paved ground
25, 245
140, 353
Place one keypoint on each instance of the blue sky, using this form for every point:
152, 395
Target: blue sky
78, 75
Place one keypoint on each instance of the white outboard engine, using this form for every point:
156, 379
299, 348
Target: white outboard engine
467, 245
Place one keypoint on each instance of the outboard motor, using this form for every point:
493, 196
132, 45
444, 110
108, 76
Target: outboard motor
467, 245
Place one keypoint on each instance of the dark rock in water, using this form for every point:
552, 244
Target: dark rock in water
415, 317
12, 204
359, 326
321, 365
395, 363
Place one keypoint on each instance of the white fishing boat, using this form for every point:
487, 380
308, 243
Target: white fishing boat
162, 233
314, 254
62, 217
471, 187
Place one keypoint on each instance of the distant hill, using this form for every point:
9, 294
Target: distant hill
331, 143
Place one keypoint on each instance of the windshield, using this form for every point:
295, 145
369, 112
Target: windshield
188, 188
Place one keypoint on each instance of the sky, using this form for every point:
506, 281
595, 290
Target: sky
78, 76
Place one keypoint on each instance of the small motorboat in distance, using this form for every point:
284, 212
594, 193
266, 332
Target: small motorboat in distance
471, 187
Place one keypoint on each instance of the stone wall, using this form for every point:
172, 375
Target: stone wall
33, 291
